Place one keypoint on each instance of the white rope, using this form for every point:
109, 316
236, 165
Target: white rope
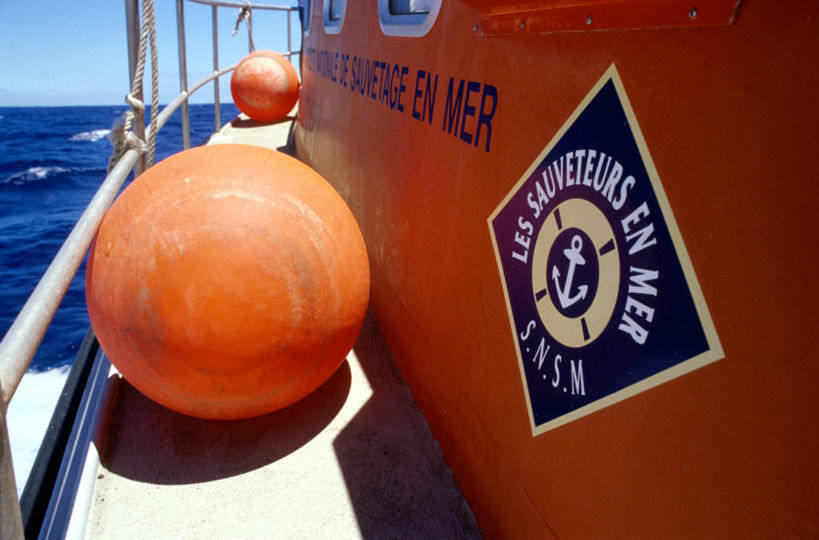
244, 13
148, 17
123, 138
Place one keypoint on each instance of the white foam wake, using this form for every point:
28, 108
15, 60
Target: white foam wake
32, 174
28, 416
90, 136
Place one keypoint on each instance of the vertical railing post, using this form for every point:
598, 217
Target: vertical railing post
132, 26
11, 522
217, 105
249, 28
183, 73
289, 39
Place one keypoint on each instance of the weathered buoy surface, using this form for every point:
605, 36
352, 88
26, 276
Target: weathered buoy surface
265, 86
228, 281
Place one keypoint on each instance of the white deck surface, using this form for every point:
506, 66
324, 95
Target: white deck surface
243, 130
355, 459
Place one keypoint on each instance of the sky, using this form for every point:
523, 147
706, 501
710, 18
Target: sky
74, 52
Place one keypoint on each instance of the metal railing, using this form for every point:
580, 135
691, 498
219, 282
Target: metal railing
183, 75
26, 332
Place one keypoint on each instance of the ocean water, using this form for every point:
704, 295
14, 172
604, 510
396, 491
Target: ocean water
52, 161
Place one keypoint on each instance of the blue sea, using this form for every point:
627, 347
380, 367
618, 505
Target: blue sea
52, 161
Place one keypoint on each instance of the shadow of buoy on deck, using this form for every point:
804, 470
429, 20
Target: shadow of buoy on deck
242, 122
395, 474
150, 443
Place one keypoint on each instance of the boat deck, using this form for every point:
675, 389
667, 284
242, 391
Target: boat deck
355, 459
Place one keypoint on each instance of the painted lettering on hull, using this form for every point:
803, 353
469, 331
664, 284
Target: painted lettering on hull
467, 112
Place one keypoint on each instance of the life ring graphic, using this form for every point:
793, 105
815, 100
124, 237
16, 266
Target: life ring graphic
575, 272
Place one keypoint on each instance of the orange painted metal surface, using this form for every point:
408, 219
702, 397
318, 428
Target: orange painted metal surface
500, 17
730, 117
227, 281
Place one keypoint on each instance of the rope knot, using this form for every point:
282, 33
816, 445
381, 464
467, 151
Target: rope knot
244, 14
136, 105
132, 141
122, 137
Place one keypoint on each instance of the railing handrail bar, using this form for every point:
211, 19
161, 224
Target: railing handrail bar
251, 5
174, 104
217, 113
23, 337
26, 332
183, 72
180, 38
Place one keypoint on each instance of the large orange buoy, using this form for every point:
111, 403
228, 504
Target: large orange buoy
228, 281
265, 86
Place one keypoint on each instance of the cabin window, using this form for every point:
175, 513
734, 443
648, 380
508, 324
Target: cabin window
408, 7
334, 15
305, 9
337, 9
408, 18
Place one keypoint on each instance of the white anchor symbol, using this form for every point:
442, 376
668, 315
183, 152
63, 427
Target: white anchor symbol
575, 258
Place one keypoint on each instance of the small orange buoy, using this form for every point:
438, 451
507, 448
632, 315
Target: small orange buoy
228, 281
265, 86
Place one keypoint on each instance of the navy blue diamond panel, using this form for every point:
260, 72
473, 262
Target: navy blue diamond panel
598, 295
